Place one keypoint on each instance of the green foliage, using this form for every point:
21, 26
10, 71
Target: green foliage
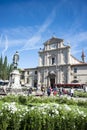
5, 68
80, 94
1, 67
10, 98
22, 100
82, 103
66, 100
5, 76
51, 116
42, 113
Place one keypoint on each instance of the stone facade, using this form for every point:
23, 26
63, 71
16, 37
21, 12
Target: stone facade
56, 66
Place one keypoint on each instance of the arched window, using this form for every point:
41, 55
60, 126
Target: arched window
52, 59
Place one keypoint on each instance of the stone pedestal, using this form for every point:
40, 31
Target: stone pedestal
15, 86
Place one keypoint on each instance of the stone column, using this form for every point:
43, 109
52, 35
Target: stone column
68, 74
68, 55
38, 77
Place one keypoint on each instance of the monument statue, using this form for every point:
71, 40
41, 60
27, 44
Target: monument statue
15, 60
15, 86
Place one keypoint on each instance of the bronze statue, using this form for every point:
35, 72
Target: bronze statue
15, 60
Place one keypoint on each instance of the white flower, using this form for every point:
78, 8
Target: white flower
67, 107
44, 113
56, 112
63, 117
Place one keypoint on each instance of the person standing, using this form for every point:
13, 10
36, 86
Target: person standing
49, 91
72, 92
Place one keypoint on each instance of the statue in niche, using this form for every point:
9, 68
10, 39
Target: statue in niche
15, 60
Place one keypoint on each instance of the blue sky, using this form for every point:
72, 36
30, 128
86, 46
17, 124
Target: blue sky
26, 24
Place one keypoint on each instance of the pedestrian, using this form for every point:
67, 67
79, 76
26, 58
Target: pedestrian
29, 91
55, 90
60, 91
72, 92
49, 91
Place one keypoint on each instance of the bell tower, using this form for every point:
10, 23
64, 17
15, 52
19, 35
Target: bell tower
83, 56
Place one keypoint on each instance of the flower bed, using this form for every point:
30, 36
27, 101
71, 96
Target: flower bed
51, 116
80, 94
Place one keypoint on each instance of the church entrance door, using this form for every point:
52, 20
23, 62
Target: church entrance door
52, 82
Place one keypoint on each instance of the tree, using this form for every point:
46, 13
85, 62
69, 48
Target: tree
5, 68
1, 66
5, 76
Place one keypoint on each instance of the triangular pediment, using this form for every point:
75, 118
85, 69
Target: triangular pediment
53, 40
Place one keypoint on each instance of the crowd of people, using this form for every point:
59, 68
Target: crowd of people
60, 91
54, 91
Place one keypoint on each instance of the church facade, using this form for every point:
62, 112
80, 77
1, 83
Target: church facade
56, 66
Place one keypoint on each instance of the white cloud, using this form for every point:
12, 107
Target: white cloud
1, 38
26, 38
6, 46
31, 43
77, 42
34, 41
48, 21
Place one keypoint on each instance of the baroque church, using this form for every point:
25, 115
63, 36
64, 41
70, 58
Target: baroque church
56, 66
